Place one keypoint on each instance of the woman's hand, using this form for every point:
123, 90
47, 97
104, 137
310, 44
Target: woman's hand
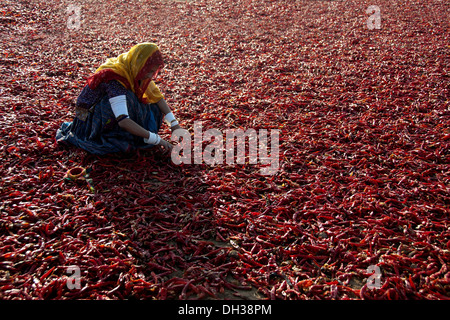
166, 145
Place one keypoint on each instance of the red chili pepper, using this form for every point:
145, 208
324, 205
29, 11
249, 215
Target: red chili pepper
45, 275
360, 181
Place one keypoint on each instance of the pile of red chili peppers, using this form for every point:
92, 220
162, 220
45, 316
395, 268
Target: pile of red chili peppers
364, 120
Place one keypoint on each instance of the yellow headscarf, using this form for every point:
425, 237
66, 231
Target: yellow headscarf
129, 68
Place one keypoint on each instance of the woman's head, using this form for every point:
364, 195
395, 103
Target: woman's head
145, 60
152, 73
135, 69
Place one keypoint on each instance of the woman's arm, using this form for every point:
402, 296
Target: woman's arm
133, 128
162, 104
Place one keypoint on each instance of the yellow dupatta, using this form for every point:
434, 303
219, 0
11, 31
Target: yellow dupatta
129, 68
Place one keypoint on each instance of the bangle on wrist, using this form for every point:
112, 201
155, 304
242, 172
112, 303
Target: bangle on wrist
170, 119
153, 138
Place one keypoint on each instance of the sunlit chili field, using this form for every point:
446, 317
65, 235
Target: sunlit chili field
358, 208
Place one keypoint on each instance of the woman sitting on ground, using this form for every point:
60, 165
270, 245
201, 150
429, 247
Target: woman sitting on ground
120, 108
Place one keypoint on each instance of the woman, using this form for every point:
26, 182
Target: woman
120, 108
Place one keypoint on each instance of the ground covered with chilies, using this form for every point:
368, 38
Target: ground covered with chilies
363, 175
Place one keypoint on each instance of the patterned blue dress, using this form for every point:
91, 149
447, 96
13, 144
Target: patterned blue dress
95, 127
